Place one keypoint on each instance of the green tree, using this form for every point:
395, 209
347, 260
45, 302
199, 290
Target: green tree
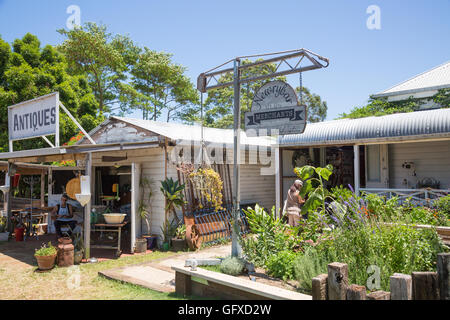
379, 107
28, 71
106, 59
316, 108
218, 107
161, 85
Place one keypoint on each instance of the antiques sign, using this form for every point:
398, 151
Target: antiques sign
34, 118
275, 107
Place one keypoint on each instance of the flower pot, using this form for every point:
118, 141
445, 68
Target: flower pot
151, 241
165, 246
4, 236
46, 262
78, 256
18, 232
141, 245
178, 244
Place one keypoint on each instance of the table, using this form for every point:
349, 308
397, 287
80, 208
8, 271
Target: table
109, 227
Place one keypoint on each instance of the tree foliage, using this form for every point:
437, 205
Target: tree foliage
316, 108
161, 85
27, 71
106, 59
380, 107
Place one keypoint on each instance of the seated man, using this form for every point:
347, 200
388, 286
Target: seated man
63, 213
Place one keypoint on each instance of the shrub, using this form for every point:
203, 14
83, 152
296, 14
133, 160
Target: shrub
270, 235
309, 265
443, 205
281, 265
393, 248
232, 266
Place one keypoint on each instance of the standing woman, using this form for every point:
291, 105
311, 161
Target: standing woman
293, 203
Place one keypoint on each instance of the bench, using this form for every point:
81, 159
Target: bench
207, 283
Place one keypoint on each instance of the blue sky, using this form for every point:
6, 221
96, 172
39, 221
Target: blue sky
201, 34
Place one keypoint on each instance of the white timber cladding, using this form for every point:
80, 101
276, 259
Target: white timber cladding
431, 160
255, 186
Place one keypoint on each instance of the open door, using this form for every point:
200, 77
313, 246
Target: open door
377, 166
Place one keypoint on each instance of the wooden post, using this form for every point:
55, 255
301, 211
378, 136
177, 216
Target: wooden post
337, 281
87, 211
379, 295
319, 287
401, 286
425, 286
356, 292
182, 284
356, 169
42, 189
443, 270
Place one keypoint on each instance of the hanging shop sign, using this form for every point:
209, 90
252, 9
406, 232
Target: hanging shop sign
275, 107
34, 118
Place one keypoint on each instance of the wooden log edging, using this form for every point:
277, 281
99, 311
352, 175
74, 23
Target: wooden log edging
417, 286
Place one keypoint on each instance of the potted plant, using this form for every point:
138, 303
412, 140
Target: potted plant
46, 256
173, 193
78, 248
179, 241
4, 234
168, 231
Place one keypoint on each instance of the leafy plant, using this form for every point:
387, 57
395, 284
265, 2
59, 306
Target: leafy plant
3, 222
232, 266
145, 183
180, 232
78, 242
45, 250
313, 186
443, 205
173, 192
168, 230
281, 265
270, 235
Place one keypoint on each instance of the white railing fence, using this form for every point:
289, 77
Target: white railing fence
419, 196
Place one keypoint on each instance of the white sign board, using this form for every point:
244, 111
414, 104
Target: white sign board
34, 118
275, 107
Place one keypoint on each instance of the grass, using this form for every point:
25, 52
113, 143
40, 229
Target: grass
25, 283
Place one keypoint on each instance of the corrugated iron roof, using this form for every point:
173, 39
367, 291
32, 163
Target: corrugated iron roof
182, 132
436, 78
396, 127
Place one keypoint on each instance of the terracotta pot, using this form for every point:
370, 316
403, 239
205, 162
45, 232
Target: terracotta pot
46, 262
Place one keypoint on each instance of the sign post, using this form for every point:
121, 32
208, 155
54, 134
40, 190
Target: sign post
235, 246
290, 115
